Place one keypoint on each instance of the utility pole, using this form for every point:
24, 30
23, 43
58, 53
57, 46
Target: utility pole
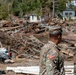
53, 12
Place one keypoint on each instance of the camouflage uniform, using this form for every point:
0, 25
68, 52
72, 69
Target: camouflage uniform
51, 61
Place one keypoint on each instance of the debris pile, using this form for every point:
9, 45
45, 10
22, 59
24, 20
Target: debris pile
19, 36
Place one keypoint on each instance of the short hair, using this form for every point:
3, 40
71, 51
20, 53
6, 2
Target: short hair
54, 31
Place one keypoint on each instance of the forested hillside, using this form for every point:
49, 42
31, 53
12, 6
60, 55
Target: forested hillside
22, 7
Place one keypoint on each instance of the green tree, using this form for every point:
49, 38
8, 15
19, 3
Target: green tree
61, 5
3, 9
21, 7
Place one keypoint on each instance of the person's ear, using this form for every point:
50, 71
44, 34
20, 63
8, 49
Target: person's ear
58, 36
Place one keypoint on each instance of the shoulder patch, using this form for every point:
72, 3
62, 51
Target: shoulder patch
52, 56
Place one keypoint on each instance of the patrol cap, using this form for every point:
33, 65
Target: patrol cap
55, 30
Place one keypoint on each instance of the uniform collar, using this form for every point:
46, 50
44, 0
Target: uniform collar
54, 45
52, 42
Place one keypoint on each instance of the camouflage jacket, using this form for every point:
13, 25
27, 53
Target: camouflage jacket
51, 61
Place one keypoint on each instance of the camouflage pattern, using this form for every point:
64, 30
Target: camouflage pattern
51, 61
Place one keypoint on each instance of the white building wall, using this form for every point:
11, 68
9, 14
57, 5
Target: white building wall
68, 16
33, 19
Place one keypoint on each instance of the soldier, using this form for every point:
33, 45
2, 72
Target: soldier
51, 61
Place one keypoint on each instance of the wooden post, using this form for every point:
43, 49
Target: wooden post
53, 13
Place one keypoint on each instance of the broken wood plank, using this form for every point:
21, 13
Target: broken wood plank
10, 28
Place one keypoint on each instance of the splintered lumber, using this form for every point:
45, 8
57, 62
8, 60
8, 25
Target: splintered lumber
65, 45
14, 51
71, 42
35, 39
33, 45
68, 52
20, 36
71, 53
65, 52
69, 37
36, 50
10, 28
39, 30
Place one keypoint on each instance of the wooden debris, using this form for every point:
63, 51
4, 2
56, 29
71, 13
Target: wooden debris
69, 52
18, 34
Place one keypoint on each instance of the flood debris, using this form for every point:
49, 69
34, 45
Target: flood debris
25, 38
